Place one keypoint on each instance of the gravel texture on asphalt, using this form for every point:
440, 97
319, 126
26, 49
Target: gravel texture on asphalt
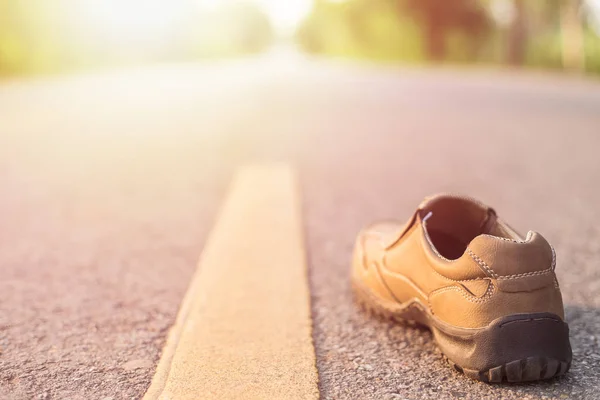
109, 185
103, 215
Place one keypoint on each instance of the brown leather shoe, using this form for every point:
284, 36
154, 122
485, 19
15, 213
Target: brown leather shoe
489, 296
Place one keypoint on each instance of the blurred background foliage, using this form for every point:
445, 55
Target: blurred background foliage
539, 33
41, 36
53, 36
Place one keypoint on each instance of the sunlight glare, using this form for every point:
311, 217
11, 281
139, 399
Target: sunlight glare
286, 15
151, 19
130, 19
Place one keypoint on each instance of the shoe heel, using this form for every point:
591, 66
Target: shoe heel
517, 348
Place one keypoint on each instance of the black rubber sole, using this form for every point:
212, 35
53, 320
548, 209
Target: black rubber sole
516, 348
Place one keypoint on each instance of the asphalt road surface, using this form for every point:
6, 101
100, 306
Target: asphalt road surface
109, 184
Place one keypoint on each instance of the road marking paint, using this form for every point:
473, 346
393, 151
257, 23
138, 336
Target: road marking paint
244, 327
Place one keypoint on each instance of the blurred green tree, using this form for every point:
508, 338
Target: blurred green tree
517, 38
539, 33
439, 18
572, 35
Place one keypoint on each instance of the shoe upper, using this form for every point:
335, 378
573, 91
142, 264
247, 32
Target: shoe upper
460, 262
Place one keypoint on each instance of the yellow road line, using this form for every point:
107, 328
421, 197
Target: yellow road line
244, 327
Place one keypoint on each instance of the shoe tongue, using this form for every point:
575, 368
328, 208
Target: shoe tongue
461, 217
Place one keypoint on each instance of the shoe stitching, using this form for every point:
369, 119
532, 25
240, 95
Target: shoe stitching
505, 239
553, 266
525, 274
409, 281
456, 280
433, 268
521, 275
482, 264
486, 268
527, 238
488, 293
383, 265
530, 320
